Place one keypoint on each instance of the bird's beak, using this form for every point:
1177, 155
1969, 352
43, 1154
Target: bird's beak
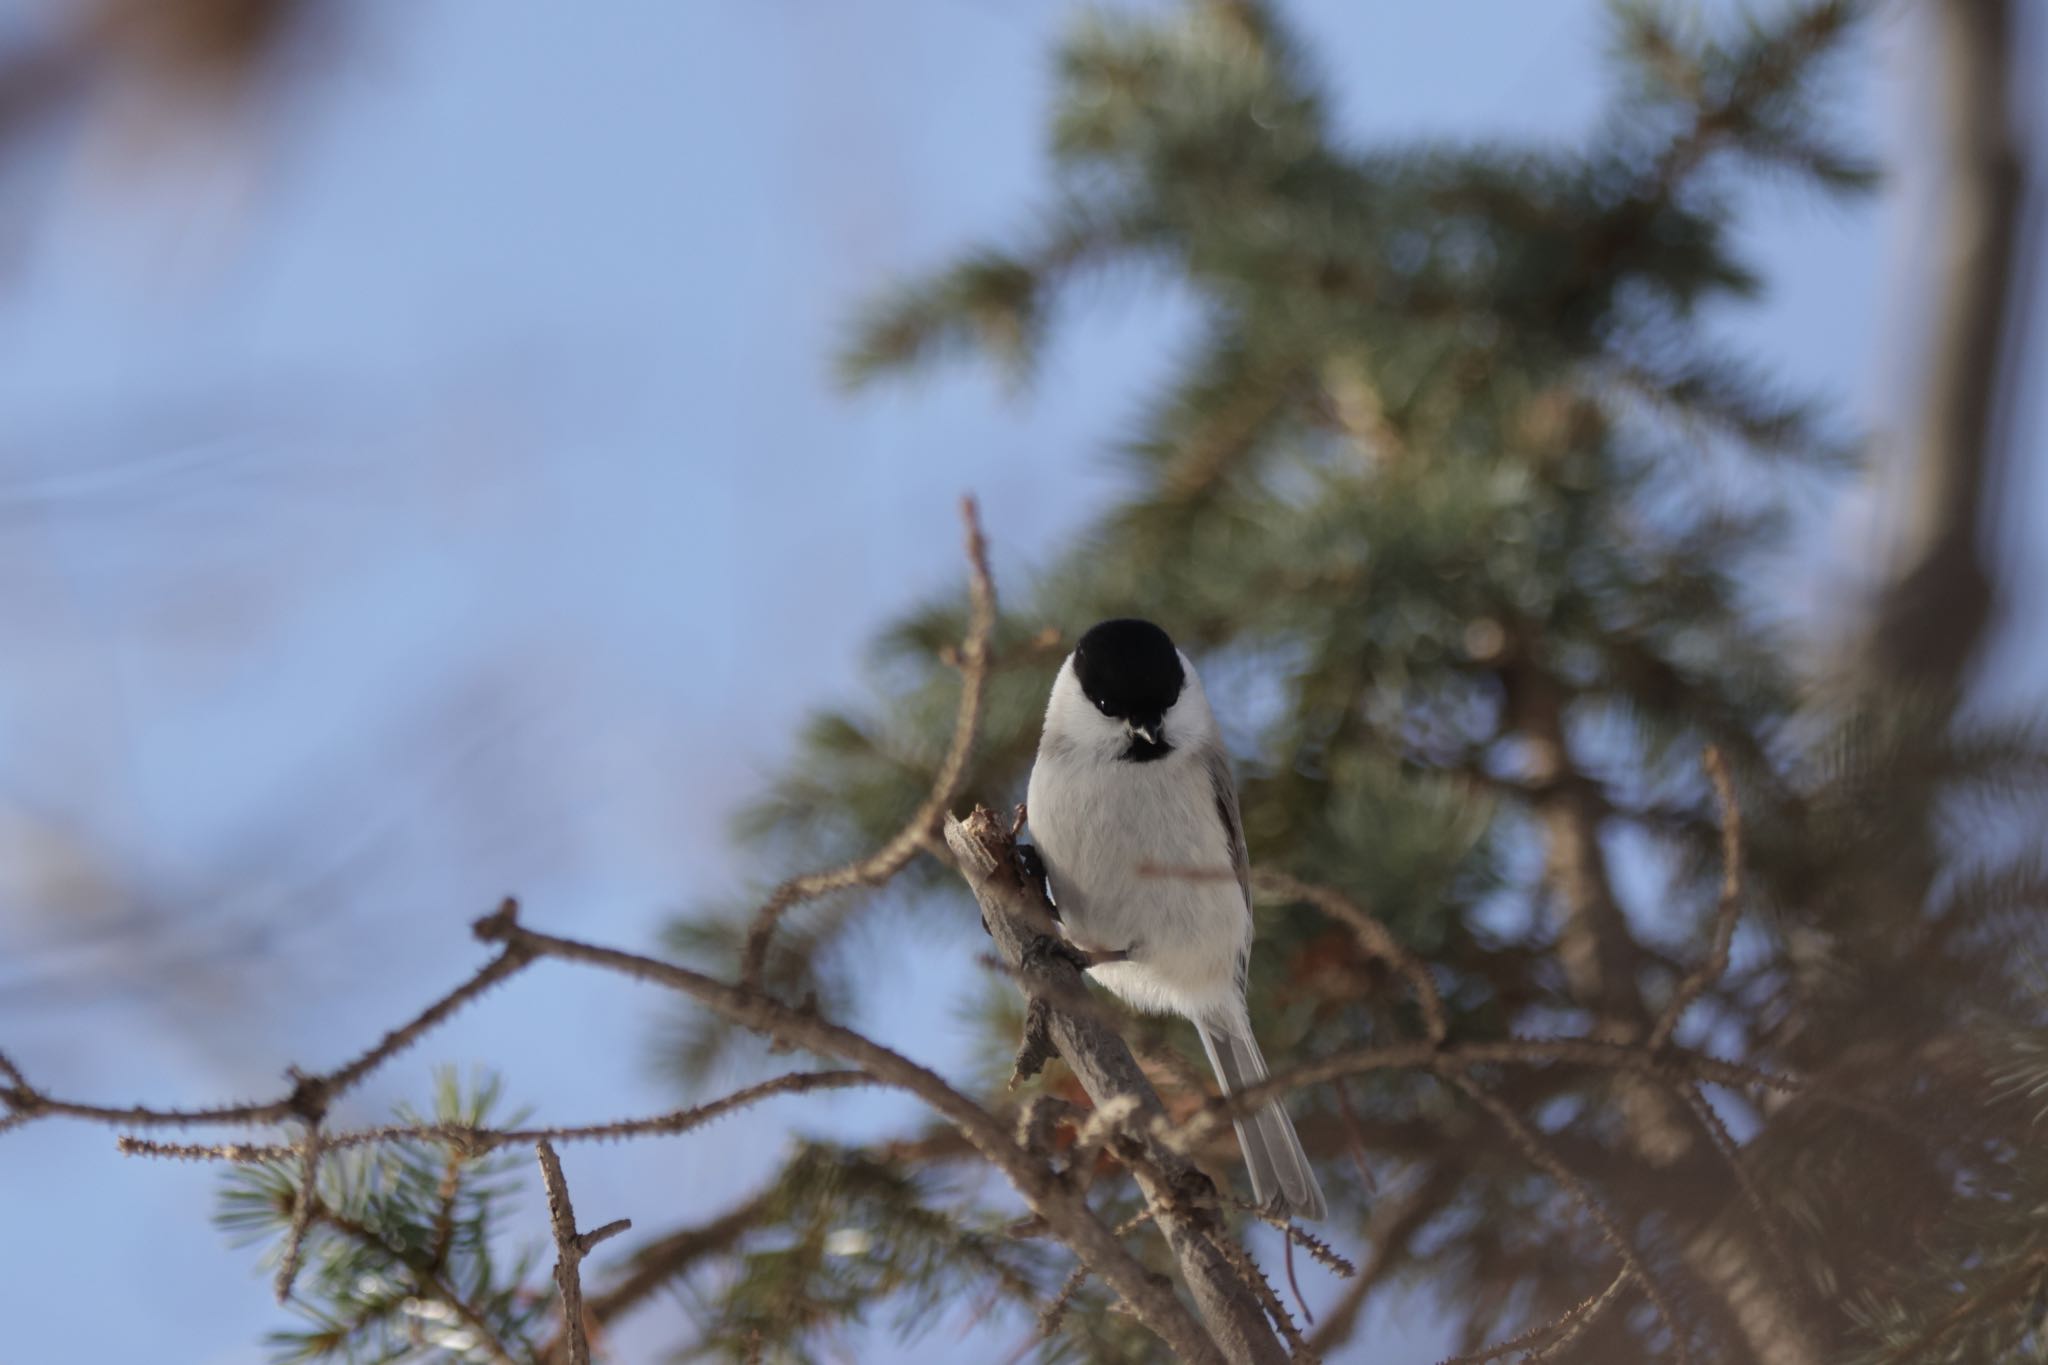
1148, 733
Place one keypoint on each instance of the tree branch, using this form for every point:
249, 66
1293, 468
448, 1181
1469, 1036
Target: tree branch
983, 848
1611, 1232
1062, 1208
471, 1140
571, 1247
886, 861
1729, 910
1375, 938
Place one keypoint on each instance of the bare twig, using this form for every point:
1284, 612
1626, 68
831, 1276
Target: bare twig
1724, 1143
571, 1247
310, 1094
660, 1263
501, 968
1545, 1338
891, 858
1373, 937
1393, 1223
1673, 1062
1726, 913
1611, 1232
471, 1140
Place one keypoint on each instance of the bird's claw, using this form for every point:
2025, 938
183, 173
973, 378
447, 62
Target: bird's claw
1046, 949
1031, 872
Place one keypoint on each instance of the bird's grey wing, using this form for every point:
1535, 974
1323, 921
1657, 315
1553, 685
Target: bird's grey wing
1225, 788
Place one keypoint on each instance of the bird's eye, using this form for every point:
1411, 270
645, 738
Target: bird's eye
1102, 706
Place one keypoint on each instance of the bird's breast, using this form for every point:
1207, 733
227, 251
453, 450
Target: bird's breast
1133, 850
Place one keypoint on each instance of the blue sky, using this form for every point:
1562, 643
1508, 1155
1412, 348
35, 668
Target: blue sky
433, 487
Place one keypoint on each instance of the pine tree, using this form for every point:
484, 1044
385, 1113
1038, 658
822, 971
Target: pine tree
1457, 493
1465, 516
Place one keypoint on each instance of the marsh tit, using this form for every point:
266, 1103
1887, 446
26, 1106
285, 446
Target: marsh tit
1131, 801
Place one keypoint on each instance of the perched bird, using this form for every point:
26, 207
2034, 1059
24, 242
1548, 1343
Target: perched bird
1134, 815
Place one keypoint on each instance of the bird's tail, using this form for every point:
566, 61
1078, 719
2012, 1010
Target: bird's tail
1282, 1180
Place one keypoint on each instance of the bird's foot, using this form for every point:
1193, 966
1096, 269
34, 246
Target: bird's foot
1031, 872
1046, 949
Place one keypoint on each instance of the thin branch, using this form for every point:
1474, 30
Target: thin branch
659, 1263
571, 1247
434, 1287
1724, 1143
1393, 1223
309, 1096
1064, 1209
1673, 1062
476, 1141
1547, 1337
1321, 1252
1056, 1311
892, 857
1581, 1319
501, 968
1726, 913
1375, 938
1611, 1232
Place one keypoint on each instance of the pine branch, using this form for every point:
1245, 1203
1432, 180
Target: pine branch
1990, 1299
427, 1281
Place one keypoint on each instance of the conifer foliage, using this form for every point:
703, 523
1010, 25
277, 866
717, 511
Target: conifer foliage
1474, 529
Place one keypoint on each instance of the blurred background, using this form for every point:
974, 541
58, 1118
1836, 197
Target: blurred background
424, 477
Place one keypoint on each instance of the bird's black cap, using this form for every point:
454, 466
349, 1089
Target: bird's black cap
1129, 669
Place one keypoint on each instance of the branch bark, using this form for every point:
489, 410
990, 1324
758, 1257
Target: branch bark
1017, 920
1064, 1208
571, 1247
